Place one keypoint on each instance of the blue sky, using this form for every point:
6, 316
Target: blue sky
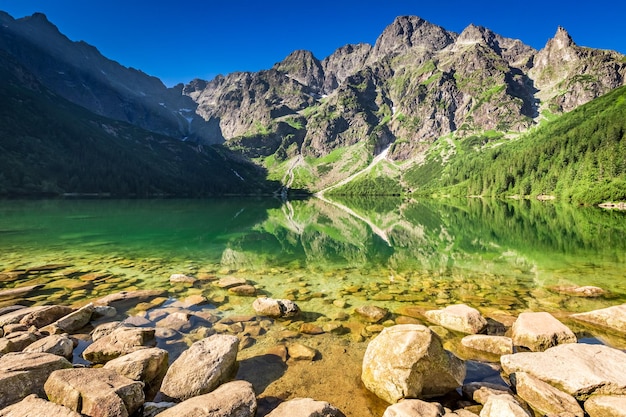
185, 39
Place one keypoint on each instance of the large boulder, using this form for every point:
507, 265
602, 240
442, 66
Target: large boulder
612, 318
408, 361
540, 331
578, 369
414, 408
56, 344
121, 341
233, 399
271, 307
201, 368
606, 405
95, 392
146, 365
33, 406
305, 407
22, 374
460, 317
543, 397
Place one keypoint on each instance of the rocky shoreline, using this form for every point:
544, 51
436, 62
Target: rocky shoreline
180, 359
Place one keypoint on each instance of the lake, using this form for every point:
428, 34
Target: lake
502, 257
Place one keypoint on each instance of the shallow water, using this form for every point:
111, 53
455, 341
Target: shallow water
330, 257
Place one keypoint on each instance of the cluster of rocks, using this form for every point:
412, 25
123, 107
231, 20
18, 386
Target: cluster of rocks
545, 370
179, 360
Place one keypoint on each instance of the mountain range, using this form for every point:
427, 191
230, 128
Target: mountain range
421, 94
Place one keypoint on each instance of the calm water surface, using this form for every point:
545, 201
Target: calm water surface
496, 255
330, 257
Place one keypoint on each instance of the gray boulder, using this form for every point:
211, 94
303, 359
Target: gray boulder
56, 344
22, 374
201, 368
95, 392
120, 341
460, 317
578, 369
146, 365
233, 399
408, 361
33, 406
305, 407
540, 331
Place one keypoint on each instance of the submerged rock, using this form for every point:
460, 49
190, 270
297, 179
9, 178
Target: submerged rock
272, 307
372, 314
459, 317
408, 361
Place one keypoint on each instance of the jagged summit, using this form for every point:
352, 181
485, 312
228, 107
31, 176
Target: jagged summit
561, 39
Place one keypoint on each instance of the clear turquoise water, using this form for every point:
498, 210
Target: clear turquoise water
490, 254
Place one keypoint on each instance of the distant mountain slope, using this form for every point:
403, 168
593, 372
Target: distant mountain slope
49, 146
579, 156
79, 73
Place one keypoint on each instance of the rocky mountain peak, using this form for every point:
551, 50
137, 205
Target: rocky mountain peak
342, 63
474, 34
408, 32
562, 39
302, 66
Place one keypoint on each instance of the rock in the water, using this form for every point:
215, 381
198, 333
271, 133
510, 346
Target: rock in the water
408, 361
72, 322
182, 279
300, 352
56, 344
414, 408
95, 392
372, 314
578, 369
14, 316
232, 399
146, 365
22, 374
228, 282
120, 341
33, 406
606, 406
498, 345
275, 308
46, 316
305, 407
459, 317
543, 397
503, 406
540, 331
201, 368
124, 300
612, 318
245, 290
481, 391
585, 291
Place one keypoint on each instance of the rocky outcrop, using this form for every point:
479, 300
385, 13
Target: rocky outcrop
95, 392
540, 331
201, 368
408, 361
